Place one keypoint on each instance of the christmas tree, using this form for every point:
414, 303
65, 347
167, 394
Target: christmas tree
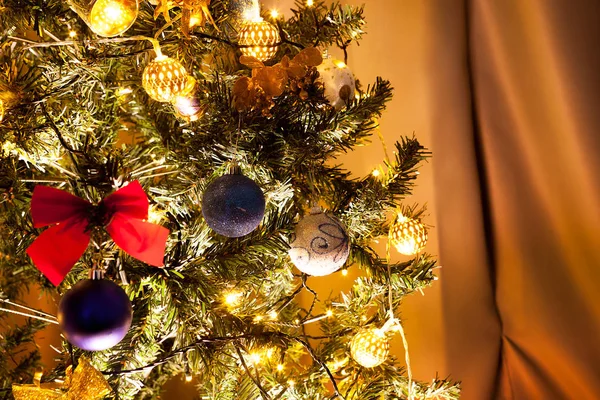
168, 170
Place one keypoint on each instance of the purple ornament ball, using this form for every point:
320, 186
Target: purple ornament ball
95, 314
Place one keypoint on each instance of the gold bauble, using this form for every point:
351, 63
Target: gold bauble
369, 347
408, 235
165, 78
113, 17
260, 39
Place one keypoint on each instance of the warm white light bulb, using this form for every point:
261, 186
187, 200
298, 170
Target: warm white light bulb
233, 298
340, 64
113, 11
254, 358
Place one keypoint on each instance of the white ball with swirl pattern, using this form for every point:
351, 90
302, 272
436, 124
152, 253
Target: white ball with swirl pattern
320, 244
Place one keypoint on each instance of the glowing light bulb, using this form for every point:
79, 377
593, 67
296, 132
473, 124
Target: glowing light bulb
274, 14
259, 38
113, 17
254, 358
273, 315
408, 235
345, 272
310, 3
329, 313
188, 107
369, 347
195, 20
165, 78
340, 64
72, 34
188, 378
232, 299
269, 353
375, 173
154, 215
280, 367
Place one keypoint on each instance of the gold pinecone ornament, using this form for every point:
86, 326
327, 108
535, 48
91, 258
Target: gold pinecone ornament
370, 347
259, 39
408, 235
166, 78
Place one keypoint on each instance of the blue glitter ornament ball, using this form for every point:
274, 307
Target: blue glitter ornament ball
95, 314
233, 205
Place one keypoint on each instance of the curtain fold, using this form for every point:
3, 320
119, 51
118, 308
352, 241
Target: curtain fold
518, 194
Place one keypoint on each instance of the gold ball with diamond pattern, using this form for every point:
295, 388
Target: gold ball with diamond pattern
259, 39
112, 17
370, 347
408, 235
165, 78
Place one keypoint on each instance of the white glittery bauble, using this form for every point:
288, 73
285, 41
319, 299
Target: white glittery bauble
336, 78
369, 347
320, 245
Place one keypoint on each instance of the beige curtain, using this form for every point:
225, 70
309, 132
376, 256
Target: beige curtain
517, 176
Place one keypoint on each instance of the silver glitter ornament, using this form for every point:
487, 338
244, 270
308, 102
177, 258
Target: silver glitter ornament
320, 245
338, 82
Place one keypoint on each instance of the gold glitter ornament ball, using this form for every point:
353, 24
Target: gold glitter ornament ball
260, 39
113, 17
370, 347
408, 235
165, 78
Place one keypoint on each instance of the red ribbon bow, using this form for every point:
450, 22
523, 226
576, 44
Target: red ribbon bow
122, 213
